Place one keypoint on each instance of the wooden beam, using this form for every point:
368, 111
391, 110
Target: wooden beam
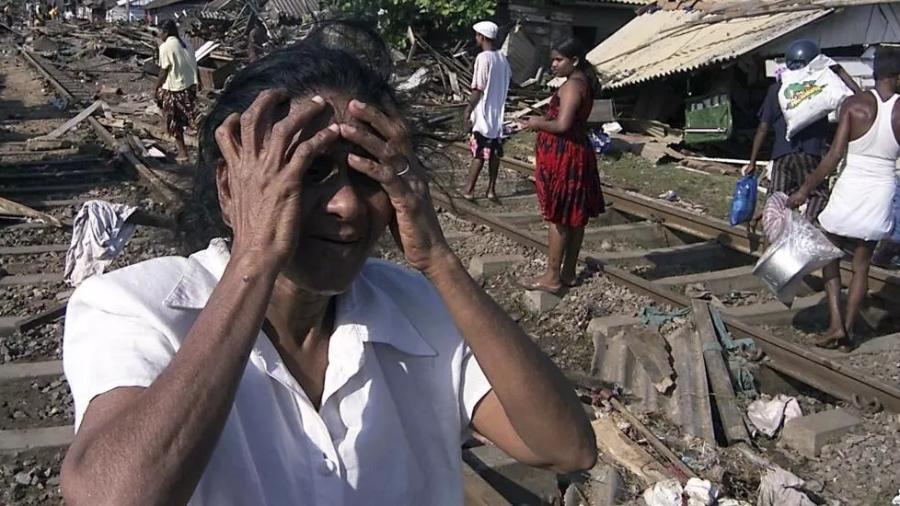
621, 450
719, 378
72, 123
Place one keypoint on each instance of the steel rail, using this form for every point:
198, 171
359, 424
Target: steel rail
786, 357
882, 282
157, 185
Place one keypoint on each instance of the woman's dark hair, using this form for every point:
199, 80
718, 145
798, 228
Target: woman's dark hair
170, 28
572, 48
317, 63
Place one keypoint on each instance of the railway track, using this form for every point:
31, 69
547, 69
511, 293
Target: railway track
651, 248
36, 413
665, 252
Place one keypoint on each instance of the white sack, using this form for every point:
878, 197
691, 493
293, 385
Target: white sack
809, 94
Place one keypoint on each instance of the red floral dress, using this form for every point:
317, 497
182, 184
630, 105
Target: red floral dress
567, 181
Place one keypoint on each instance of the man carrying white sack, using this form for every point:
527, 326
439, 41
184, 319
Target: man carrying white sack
860, 212
793, 160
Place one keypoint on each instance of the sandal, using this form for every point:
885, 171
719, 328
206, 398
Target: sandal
842, 344
532, 286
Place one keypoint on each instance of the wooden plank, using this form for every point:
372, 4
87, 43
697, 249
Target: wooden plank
617, 447
478, 492
34, 250
719, 378
31, 279
9, 372
11, 208
678, 466
29, 439
72, 123
48, 315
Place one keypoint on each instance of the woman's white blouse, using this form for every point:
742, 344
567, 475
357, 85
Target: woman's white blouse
400, 387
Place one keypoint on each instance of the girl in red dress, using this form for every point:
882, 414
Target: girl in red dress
568, 185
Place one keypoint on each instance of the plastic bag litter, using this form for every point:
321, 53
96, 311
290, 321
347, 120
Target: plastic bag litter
743, 203
774, 215
670, 493
599, 140
769, 416
781, 488
809, 94
664, 493
800, 249
700, 492
896, 501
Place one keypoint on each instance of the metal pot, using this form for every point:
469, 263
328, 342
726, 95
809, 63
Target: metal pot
783, 267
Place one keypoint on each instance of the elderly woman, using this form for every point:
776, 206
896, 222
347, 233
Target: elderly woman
281, 365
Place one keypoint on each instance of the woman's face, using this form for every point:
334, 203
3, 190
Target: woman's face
343, 212
561, 66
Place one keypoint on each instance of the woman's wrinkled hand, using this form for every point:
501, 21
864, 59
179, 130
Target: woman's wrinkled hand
260, 182
415, 225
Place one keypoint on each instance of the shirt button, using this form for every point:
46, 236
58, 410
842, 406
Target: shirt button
327, 467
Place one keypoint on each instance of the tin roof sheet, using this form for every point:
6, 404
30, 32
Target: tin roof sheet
666, 42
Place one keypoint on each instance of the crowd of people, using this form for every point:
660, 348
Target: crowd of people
856, 214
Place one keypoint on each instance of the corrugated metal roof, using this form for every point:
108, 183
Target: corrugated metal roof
664, 42
293, 8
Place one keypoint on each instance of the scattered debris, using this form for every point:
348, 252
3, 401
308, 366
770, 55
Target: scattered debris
781, 488
769, 415
14, 209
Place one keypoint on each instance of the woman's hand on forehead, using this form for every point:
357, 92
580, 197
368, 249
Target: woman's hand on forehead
395, 167
265, 159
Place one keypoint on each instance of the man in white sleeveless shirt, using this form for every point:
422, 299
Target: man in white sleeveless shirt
859, 212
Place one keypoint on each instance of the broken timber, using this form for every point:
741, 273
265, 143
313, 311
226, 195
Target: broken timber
157, 184
72, 123
719, 378
621, 450
654, 441
10, 208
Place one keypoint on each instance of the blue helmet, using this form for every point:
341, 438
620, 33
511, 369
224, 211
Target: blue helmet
800, 54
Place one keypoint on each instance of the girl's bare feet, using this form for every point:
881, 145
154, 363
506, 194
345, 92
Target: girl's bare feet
545, 283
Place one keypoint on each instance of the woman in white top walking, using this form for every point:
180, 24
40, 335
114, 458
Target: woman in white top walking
859, 211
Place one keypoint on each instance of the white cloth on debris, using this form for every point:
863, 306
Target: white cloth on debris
99, 234
781, 488
861, 202
769, 416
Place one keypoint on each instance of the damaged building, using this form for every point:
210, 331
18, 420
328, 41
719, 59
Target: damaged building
714, 60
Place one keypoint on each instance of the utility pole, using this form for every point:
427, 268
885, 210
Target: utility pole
128, 10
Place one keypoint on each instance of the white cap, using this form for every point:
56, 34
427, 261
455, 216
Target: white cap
487, 28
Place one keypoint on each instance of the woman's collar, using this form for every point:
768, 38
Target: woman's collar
366, 310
